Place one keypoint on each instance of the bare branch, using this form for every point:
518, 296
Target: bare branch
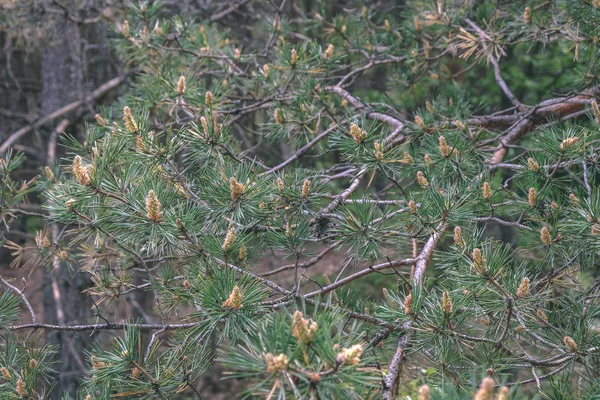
96, 94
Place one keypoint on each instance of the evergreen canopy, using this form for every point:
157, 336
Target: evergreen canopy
447, 150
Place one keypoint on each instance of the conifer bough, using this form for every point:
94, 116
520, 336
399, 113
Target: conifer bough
457, 234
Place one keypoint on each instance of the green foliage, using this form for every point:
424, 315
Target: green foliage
313, 366
229, 156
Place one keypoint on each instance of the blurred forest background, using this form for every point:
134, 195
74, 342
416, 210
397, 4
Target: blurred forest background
59, 66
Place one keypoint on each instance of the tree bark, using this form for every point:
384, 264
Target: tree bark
64, 302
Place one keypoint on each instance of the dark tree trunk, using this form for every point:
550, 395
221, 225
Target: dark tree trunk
64, 302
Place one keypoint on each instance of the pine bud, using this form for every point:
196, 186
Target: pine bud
215, 124
486, 190
503, 394
77, 166
424, 393
5, 374
527, 15
417, 23
82, 173
234, 301
136, 373
21, 388
596, 111
485, 321
386, 25
288, 230
479, 261
350, 356
99, 120
569, 143
70, 203
89, 397
412, 206
266, 70
595, 229
315, 377
186, 284
420, 123
545, 236
445, 150
158, 30
237, 54
261, 205
33, 363
276, 363
125, 29
446, 303
153, 207
423, 182
523, 289
243, 253
279, 116
139, 143
408, 304
486, 390
574, 199
458, 239
358, 134
554, 205
236, 188
49, 174
531, 197
305, 188
208, 98
97, 364
280, 184
328, 53
570, 343
204, 124
364, 12
406, 159
542, 315
378, 152
129, 121
294, 57
229, 239
533, 165
429, 107
427, 160
303, 328
181, 85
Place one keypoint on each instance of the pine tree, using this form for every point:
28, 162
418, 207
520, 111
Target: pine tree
473, 212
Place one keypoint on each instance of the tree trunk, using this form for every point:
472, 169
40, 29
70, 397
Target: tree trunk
64, 302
